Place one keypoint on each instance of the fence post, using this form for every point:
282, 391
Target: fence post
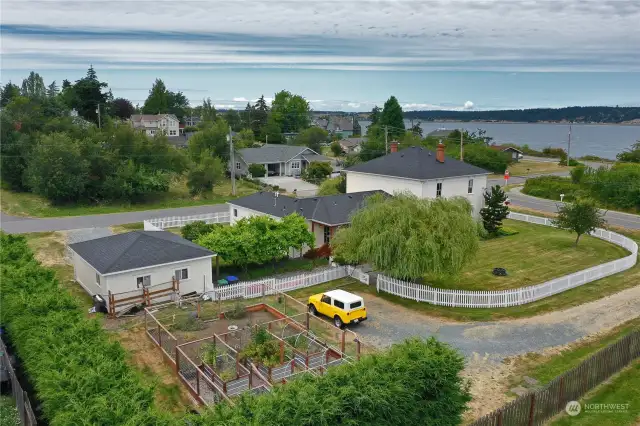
285, 305
357, 350
159, 336
308, 319
281, 351
532, 409
177, 361
561, 393
198, 381
342, 342
198, 309
499, 418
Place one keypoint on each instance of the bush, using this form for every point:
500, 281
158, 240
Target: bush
193, 231
257, 170
572, 162
80, 374
577, 174
506, 231
554, 152
322, 252
317, 171
551, 187
333, 186
336, 149
415, 383
482, 156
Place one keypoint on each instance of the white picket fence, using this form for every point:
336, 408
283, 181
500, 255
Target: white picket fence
519, 296
267, 286
160, 223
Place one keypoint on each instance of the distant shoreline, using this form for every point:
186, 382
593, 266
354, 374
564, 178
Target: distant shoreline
527, 122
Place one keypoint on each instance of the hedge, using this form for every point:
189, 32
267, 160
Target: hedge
551, 187
80, 376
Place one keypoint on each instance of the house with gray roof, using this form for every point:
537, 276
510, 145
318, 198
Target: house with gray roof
422, 172
351, 145
131, 262
324, 215
279, 160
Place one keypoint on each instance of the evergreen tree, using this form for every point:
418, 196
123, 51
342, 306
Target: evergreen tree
495, 210
260, 117
357, 130
9, 92
375, 115
66, 84
233, 119
208, 110
52, 90
158, 100
392, 116
87, 95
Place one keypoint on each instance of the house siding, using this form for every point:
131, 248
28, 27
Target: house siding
85, 275
451, 187
200, 277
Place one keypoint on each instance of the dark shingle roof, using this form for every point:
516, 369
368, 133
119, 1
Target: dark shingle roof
272, 153
137, 249
416, 163
329, 209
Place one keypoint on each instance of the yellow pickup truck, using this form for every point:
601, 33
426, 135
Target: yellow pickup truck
341, 306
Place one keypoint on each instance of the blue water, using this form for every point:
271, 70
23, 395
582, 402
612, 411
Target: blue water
603, 140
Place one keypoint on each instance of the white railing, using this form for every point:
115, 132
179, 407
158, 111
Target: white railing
160, 223
266, 286
518, 296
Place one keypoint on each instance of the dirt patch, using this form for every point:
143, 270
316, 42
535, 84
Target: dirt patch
170, 394
49, 248
489, 385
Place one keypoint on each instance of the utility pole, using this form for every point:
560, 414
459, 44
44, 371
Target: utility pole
461, 143
569, 147
266, 140
233, 165
386, 140
99, 124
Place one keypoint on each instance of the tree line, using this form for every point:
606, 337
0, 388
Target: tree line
576, 114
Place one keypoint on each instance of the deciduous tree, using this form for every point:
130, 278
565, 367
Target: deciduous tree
312, 138
317, 171
33, 86
582, 216
122, 108
203, 175
407, 237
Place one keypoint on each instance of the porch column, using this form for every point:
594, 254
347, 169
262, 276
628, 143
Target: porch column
283, 166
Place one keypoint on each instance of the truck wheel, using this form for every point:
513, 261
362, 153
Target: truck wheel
338, 322
313, 310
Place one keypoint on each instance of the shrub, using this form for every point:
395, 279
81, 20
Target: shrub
317, 171
551, 187
577, 174
415, 383
554, 152
572, 162
336, 149
257, 170
506, 231
81, 375
333, 186
193, 231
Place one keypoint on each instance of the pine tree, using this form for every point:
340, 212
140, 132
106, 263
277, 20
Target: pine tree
392, 117
495, 210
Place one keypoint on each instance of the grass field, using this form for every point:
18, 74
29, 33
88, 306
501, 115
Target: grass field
525, 168
535, 255
27, 204
623, 388
8, 412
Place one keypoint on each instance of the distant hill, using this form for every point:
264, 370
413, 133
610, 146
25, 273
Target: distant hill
597, 114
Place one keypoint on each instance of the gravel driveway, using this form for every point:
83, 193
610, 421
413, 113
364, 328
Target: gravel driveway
289, 184
389, 323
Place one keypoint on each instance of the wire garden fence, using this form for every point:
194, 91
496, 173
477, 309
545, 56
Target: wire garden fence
518, 296
537, 407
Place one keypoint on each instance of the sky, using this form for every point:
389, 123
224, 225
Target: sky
339, 54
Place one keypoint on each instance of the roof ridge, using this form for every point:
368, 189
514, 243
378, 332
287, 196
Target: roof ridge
133, 241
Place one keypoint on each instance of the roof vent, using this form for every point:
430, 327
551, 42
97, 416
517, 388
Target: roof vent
349, 196
429, 153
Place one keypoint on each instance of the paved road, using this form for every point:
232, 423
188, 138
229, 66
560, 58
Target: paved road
625, 220
20, 225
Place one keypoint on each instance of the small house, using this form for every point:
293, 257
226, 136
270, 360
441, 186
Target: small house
515, 153
278, 160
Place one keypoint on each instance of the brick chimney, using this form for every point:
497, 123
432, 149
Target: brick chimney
440, 153
394, 146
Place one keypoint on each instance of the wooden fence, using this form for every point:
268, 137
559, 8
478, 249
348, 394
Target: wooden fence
517, 296
27, 417
537, 407
147, 296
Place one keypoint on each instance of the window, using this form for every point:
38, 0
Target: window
238, 166
144, 281
470, 189
163, 123
356, 305
327, 234
153, 132
97, 278
325, 299
439, 190
235, 212
338, 304
295, 164
181, 274
172, 132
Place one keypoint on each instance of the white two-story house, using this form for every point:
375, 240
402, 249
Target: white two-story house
422, 172
160, 124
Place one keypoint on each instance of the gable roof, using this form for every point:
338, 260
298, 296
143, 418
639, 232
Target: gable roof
272, 153
504, 148
137, 249
351, 142
314, 157
329, 210
151, 117
416, 163
340, 124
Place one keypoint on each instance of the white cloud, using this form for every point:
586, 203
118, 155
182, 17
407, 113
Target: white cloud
468, 105
241, 99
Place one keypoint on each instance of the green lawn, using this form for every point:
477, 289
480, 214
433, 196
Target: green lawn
27, 204
535, 255
8, 412
624, 388
525, 168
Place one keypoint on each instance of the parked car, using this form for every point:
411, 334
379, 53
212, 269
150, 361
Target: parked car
341, 306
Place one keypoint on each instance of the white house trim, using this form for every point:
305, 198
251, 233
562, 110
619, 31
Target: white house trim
159, 264
417, 180
301, 153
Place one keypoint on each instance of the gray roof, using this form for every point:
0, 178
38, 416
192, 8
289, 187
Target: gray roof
137, 249
181, 141
314, 157
416, 163
272, 153
340, 123
329, 209
351, 142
